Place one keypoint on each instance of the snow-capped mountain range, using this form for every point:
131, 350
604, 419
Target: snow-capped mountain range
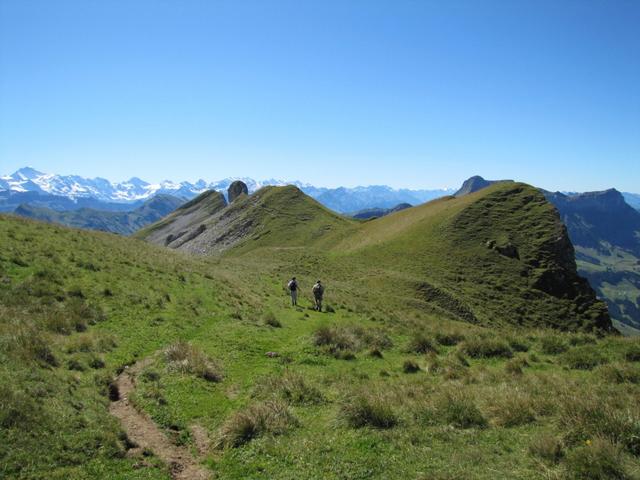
28, 179
133, 191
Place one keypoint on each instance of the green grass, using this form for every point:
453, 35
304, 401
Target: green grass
98, 302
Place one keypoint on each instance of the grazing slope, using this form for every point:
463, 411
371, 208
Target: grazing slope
241, 384
124, 223
606, 233
273, 216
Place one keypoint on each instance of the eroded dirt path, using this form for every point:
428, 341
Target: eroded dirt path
147, 435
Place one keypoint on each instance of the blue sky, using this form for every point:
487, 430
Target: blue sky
405, 93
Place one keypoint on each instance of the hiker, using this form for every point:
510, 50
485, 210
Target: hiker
318, 291
293, 289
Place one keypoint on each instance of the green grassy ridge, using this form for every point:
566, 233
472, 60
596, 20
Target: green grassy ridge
218, 305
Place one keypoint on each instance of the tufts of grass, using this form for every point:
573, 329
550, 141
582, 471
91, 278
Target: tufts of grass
632, 353
485, 347
290, 386
420, 343
547, 448
410, 366
183, 357
342, 341
449, 338
460, 411
271, 417
270, 319
583, 358
368, 409
598, 459
553, 344
620, 373
588, 415
512, 408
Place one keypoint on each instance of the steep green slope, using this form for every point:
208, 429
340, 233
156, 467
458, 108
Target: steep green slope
366, 391
124, 223
274, 216
498, 256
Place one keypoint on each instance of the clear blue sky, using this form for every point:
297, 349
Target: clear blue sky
405, 93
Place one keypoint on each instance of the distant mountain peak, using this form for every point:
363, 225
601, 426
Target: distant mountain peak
26, 173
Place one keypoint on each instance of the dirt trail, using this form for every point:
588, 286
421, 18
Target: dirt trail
146, 434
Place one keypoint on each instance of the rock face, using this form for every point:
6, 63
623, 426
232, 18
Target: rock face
474, 184
236, 189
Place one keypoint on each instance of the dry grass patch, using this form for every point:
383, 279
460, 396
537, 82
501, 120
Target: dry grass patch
368, 409
272, 417
184, 357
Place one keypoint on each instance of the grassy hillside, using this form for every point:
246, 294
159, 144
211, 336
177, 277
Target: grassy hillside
124, 223
385, 384
272, 216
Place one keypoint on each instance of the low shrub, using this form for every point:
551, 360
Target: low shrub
599, 459
547, 447
583, 358
368, 409
271, 417
185, 358
553, 345
486, 348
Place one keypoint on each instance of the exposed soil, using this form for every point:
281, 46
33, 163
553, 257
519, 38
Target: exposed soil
142, 431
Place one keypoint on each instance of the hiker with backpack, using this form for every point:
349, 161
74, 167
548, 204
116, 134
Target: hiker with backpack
293, 289
318, 291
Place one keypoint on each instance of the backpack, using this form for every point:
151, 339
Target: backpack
293, 285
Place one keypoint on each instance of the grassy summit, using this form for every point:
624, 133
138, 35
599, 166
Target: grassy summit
397, 381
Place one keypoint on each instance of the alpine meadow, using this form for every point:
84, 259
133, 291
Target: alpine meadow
319, 240
418, 367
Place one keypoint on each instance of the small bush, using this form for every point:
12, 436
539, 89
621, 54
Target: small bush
270, 319
375, 353
409, 366
486, 348
368, 410
620, 373
460, 411
583, 358
547, 448
420, 343
600, 459
185, 358
272, 417
552, 345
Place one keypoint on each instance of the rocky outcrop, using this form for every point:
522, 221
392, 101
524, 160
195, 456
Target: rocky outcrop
236, 189
474, 184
